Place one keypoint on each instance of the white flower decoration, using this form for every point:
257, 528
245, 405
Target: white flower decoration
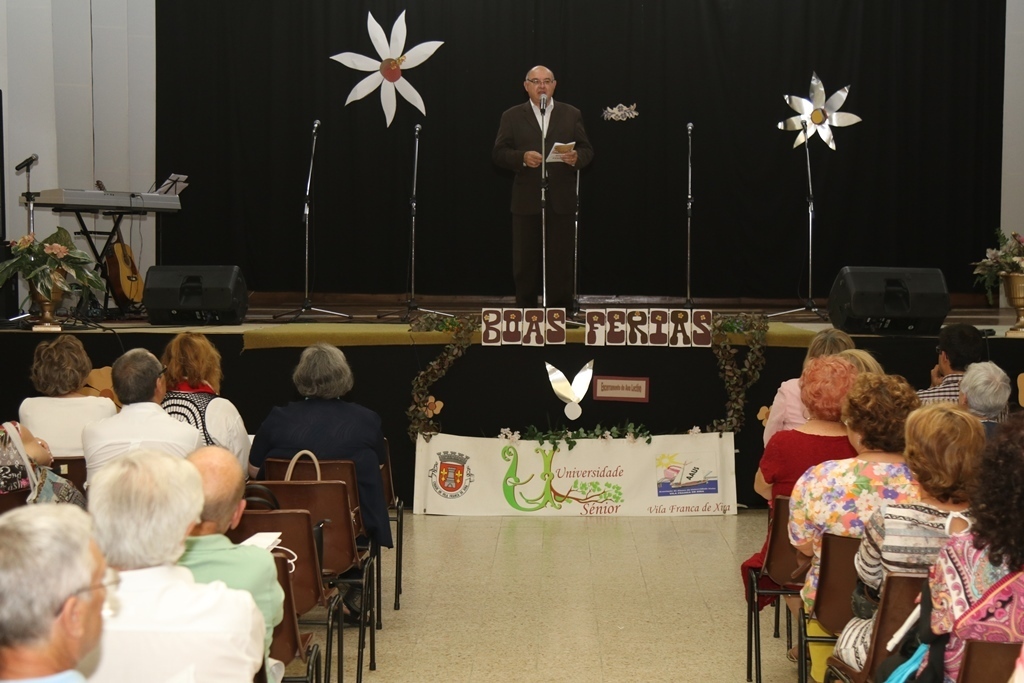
389, 69
818, 113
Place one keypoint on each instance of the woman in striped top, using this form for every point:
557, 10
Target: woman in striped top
943, 449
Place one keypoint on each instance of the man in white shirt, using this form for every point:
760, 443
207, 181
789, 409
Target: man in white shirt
142, 424
54, 581
167, 625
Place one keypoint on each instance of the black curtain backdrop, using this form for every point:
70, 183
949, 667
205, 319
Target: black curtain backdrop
917, 183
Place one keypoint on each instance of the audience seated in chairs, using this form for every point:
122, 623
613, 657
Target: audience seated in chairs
787, 410
839, 496
193, 378
333, 429
959, 346
59, 371
977, 582
138, 379
823, 386
211, 556
144, 505
53, 585
984, 390
943, 450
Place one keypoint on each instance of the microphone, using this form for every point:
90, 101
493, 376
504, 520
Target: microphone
543, 102
316, 124
689, 127
28, 162
417, 128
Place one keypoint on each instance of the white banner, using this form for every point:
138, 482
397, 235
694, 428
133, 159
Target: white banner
690, 474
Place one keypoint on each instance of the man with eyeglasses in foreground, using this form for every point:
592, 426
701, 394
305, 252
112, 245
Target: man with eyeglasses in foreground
53, 585
518, 149
139, 382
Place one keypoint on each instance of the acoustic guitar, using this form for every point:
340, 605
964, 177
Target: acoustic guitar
123, 275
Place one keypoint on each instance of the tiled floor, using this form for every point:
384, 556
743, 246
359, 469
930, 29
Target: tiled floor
509, 599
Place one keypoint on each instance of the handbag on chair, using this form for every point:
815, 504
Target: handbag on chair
47, 486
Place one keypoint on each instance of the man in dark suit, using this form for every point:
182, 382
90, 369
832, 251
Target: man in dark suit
518, 148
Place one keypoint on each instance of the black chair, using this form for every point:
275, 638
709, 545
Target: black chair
308, 592
328, 502
780, 562
289, 642
837, 577
987, 662
897, 600
394, 503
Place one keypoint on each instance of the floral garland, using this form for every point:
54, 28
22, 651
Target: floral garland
754, 328
424, 407
629, 431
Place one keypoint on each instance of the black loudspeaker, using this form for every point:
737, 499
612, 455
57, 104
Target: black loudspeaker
870, 300
195, 294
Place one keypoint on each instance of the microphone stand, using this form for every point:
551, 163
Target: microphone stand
576, 255
307, 304
410, 302
689, 208
30, 200
543, 206
809, 304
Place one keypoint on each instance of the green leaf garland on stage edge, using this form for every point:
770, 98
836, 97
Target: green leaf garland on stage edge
754, 328
420, 414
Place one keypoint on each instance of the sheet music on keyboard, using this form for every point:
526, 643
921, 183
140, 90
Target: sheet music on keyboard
174, 184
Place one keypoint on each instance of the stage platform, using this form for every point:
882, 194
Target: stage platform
491, 388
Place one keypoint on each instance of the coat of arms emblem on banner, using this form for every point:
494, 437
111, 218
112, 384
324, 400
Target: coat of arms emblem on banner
450, 476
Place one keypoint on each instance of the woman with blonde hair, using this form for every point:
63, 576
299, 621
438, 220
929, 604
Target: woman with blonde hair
788, 411
944, 443
59, 369
193, 376
862, 360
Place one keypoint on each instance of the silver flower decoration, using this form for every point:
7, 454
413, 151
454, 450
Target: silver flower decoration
818, 113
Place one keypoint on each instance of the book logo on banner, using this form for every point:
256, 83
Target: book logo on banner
686, 478
450, 476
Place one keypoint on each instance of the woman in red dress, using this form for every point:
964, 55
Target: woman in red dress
823, 386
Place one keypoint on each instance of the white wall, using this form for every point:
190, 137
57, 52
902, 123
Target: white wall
79, 85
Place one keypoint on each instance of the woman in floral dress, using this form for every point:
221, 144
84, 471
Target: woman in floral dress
944, 445
839, 496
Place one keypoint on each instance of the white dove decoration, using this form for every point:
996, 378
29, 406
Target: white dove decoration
572, 393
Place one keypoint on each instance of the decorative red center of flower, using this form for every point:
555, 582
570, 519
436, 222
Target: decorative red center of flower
391, 69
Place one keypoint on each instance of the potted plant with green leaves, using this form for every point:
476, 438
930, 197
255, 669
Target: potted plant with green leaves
1005, 264
47, 266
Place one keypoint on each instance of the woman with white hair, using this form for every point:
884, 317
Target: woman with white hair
333, 429
144, 505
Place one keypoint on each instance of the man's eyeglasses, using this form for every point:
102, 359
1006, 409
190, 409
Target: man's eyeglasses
537, 81
111, 580
938, 350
